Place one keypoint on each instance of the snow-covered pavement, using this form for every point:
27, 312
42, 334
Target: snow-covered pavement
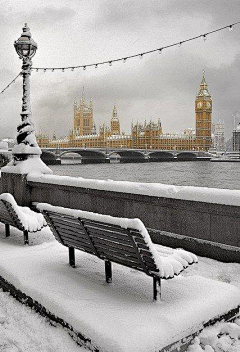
21, 329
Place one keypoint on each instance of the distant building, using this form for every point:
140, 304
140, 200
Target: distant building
218, 136
143, 136
203, 109
83, 117
236, 139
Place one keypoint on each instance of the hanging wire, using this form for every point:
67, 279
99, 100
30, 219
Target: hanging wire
140, 55
13, 81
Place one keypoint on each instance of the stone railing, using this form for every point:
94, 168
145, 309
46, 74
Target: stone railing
205, 227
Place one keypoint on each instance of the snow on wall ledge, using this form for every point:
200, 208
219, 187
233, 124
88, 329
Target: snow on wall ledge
200, 194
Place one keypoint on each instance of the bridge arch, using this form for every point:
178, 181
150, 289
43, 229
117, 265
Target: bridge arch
88, 156
186, 156
160, 156
130, 156
49, 158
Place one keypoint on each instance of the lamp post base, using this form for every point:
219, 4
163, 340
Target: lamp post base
30, 164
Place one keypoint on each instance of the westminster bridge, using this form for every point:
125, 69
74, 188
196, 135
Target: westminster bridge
104, 155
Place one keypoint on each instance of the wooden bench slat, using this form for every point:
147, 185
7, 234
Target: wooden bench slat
69, 230
146, 253
108, 231
77, 244
9, 215
140, 240
143, 246
4, 210
119, 254
6, 219
62, 216
111, 243
66, 237
62, 220
101, 234
108, 245
78, 237
67, 224
121, 261
136, 234
98, 224
148, 260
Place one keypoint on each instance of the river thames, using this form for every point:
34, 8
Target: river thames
194, 173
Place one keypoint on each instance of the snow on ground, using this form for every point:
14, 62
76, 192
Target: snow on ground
222, 337
22, 330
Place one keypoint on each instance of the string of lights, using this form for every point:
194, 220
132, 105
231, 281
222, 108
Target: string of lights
13, 81
140, 55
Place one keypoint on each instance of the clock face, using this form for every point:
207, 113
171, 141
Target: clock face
199, 105
208, 105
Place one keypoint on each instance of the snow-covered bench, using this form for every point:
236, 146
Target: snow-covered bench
120, 240
23, 218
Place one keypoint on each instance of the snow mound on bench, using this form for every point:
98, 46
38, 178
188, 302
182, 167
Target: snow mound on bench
169, 261
30, 220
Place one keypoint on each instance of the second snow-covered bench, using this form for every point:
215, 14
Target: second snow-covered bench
23, 218
120, 240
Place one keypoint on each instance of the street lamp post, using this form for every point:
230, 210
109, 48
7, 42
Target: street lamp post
26, 153
27, 146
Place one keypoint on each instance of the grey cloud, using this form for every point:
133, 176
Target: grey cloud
51, 15
129, 14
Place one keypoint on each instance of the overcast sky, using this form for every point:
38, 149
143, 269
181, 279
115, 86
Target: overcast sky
76, 32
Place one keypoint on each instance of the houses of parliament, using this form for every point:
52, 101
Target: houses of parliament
143, 136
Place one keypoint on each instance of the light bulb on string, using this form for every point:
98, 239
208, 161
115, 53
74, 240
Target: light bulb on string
160, 51
140, 56
96, 65
204, 37
124, 60
37, 70
230, 28
44, 70
53, 70
63, 69
72, 69
110, 63
84, 67
179, 44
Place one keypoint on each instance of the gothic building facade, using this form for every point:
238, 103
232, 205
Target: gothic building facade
143, 136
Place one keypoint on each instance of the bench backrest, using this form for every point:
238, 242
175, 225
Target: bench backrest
109, 242
9, 216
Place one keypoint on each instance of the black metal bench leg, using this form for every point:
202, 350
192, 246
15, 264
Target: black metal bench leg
7, 230
156, 287
71, 256
25, 236
108, 271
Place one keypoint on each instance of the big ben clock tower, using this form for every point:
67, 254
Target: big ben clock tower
203, 109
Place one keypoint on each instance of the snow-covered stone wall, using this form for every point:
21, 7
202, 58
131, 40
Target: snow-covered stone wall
199, 194
197, 214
